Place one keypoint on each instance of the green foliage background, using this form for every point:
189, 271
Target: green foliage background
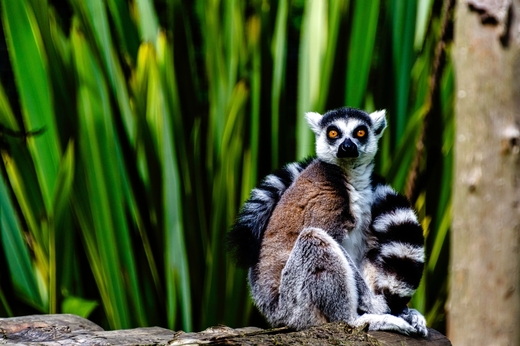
132, 131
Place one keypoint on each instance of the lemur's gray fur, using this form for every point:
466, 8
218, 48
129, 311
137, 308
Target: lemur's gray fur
326, 240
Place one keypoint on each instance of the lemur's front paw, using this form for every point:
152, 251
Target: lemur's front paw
386, 322
416, 320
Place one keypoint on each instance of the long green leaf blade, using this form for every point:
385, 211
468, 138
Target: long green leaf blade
97, 148
278, 52
148, 24
364, 27
159, 121
16, 250
29, 66
313, 42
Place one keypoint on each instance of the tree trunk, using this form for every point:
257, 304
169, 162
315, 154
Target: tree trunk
484, 307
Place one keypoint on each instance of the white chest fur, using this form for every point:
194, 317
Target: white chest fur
361, 196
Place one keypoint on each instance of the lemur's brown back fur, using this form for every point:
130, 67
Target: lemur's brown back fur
318, 198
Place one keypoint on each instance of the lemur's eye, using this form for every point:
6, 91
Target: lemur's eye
333, 134
361, 133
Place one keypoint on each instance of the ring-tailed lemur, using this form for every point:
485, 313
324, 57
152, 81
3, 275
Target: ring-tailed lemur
326, 240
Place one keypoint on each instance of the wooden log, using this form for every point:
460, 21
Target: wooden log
72, 330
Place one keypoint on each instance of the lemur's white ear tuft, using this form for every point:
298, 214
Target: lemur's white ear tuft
378, 122
313, 119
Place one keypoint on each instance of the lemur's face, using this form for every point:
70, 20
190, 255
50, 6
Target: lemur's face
347, 136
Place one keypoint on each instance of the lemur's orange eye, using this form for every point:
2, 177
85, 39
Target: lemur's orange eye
333, 134
361, 133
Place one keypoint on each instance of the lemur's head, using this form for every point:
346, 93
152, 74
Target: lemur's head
347, 136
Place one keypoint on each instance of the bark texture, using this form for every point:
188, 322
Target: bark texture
484, 307
73, 330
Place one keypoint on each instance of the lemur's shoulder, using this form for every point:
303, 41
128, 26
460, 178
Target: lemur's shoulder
317, 198
246, 234
322, 172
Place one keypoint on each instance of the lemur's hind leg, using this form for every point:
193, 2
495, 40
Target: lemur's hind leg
320, 283
317, 284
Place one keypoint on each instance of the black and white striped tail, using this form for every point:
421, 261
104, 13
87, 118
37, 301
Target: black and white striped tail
395, 263
246, 235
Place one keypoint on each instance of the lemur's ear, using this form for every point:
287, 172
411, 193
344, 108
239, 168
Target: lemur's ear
378, 122
313, 119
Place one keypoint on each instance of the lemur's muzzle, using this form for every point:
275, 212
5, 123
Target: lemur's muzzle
347, 149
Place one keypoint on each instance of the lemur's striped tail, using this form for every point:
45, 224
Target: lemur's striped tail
246, 235
394, 265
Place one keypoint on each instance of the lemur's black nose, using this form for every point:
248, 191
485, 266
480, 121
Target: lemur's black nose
347, 149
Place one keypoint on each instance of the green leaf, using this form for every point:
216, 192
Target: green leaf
78, 306
95, 22
364, 28
64, 182
279, 53
403, 24
20, 170
97, 148
147, 21
7, 311
61, 197
17, 252
30, 69
126, 31
336, 13
312, 48
159, 122
424, 9
253, 33
405, 152
7, 118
